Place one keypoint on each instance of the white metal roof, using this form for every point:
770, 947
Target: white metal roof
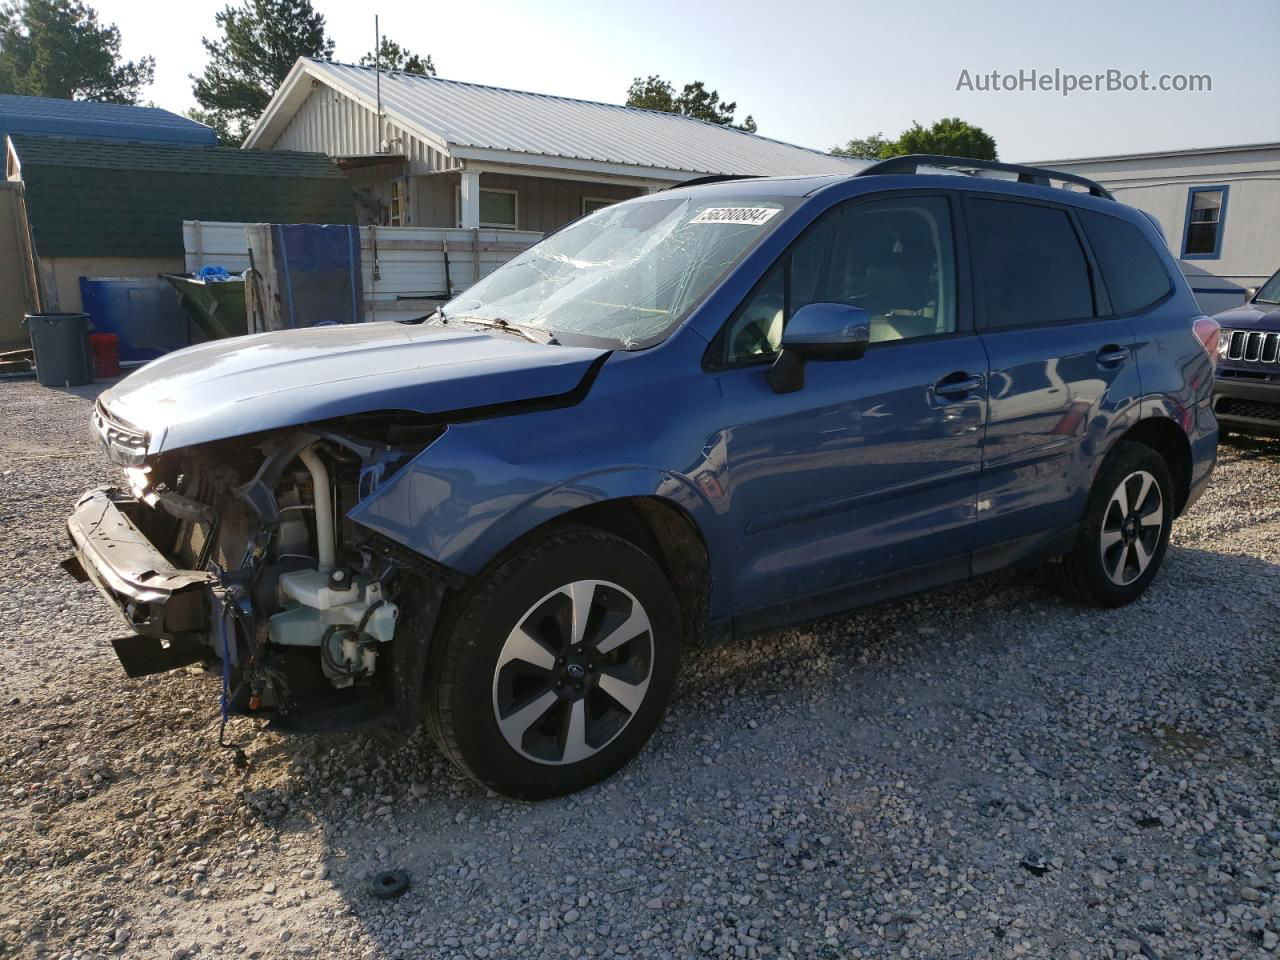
471, 121
1160, 154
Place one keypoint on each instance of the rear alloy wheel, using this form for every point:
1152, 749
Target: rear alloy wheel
553, 669
1132, 526
1125, 530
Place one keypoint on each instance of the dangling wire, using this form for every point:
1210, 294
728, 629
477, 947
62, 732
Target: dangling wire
226, 614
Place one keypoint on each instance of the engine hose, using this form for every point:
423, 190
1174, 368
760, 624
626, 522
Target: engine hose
364, 621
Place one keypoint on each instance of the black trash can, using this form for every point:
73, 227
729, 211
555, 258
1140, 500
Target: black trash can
60, 342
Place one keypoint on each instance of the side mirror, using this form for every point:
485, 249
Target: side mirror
819, 331
1249, 294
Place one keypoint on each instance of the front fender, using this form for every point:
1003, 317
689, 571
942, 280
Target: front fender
599, 486
460, 503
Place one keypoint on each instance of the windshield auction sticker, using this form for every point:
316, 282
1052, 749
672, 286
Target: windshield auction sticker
752, 216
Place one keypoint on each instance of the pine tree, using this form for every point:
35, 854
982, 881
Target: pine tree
259, 45
57, 48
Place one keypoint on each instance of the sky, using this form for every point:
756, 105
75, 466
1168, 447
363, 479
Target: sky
817, 73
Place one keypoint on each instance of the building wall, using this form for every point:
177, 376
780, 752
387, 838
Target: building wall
62, 274
542, 203
13, 269
1160, 185
331, 122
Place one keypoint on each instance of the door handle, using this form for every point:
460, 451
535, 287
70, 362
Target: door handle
1112, 355
957, 385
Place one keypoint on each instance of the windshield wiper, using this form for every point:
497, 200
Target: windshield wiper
530, 333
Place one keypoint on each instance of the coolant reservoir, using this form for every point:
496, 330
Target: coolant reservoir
313, 605
311, 588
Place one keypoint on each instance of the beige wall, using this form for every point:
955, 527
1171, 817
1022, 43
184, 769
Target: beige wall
542, 204
62, 274
13, 268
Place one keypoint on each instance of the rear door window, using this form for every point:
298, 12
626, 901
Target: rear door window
1131, 268
1030, 266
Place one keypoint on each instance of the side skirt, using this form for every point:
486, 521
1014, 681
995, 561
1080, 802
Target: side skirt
1022, 552
853, 596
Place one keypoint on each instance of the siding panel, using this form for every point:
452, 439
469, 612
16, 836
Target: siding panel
333, 123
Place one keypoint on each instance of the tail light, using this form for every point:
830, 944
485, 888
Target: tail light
1209, 332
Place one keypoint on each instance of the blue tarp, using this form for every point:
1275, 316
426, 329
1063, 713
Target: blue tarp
318, 270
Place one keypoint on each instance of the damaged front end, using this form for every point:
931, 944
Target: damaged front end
241, 550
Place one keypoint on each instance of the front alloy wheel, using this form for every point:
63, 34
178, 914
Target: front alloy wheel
573, 672
554, 667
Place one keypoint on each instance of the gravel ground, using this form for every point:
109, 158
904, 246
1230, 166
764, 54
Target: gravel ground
981, 772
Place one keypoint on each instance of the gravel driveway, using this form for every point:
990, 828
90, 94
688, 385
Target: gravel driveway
985, 771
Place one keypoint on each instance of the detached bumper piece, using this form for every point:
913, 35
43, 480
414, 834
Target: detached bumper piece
165, 606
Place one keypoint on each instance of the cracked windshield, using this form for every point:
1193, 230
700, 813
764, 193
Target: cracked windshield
625, 275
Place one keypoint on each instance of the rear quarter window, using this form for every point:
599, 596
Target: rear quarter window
1031, 268
1131, 268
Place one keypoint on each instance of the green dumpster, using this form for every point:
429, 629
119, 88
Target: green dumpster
215, 306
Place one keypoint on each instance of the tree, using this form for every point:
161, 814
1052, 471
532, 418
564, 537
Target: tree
695, 100
57, 48
950, 137
261, 41
863, 148
395, 57
652, 93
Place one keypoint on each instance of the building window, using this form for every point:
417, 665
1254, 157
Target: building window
592, 204
498, 208
398, 208
1206, 218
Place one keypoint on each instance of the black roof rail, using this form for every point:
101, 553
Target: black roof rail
714, 178
1037, 175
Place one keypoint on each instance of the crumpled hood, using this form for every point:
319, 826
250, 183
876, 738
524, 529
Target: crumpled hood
226, 388
1251, 316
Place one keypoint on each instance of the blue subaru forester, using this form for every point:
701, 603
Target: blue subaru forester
714, 410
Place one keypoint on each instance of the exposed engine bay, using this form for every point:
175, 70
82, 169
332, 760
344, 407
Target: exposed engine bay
261, 567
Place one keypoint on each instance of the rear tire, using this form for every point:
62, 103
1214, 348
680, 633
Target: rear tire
1125, 531
553, 669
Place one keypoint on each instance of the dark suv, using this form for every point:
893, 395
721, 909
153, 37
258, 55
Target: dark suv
1247, 389
714, 410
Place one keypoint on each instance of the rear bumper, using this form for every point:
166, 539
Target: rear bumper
1247, 407
166, 606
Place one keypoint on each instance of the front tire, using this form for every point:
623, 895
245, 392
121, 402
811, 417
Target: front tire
1125, 531
554, 668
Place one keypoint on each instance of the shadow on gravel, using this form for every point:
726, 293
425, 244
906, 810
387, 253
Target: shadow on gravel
1241, 447
88, 391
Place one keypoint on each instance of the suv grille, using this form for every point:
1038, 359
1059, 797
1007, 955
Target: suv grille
1254, 409
117, 435
1252, 346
